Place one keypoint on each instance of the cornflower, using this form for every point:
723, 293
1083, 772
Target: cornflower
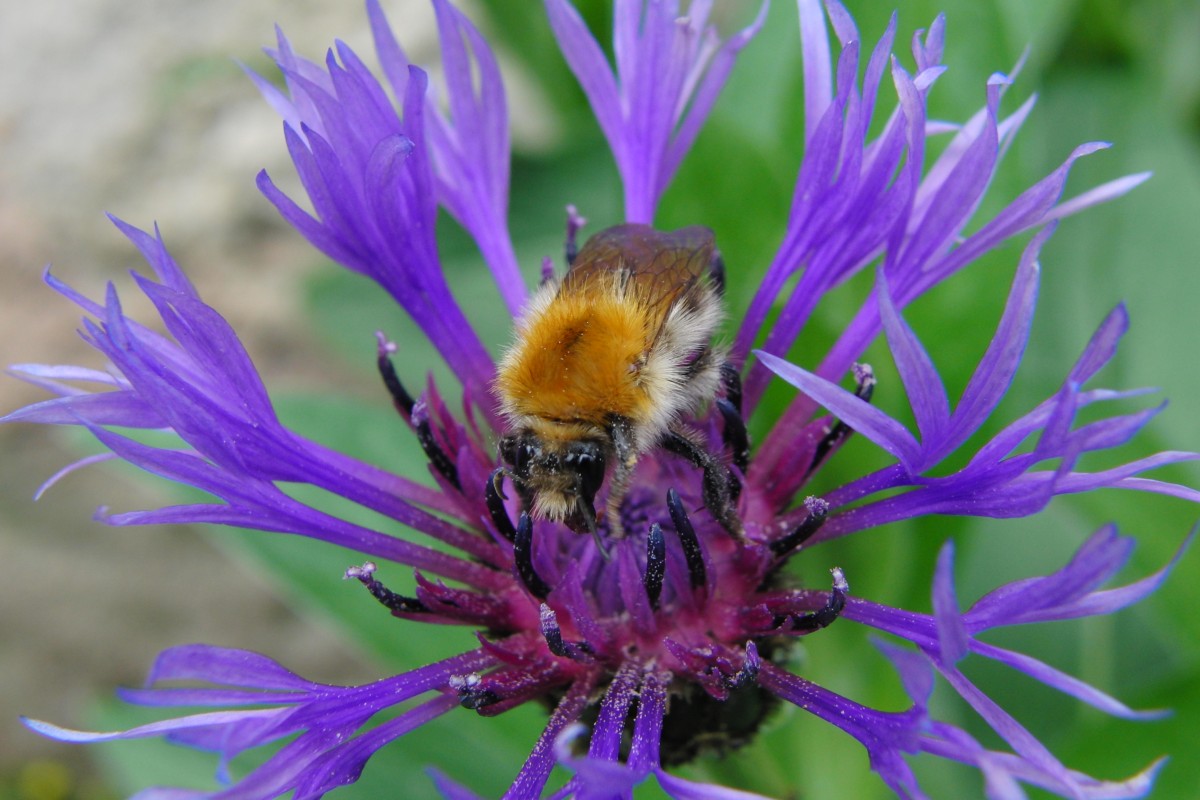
675, 639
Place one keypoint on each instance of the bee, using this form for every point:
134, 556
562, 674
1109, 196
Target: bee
605, 364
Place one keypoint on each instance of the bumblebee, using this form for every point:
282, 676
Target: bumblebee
605, 364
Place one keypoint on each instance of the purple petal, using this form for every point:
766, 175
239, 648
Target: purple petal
344, 764
536, 770
151, 729
818, 69
610, 724
922, 384
449, 789
1101, 194
953, 640
855, 412
224, 666
681, 789
995, 372
1064, 683
647, 726
887, 736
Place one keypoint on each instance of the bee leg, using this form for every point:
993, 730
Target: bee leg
717, 497
734, 429
734, 433
621, 433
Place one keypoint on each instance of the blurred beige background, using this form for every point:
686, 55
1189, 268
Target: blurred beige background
136, 107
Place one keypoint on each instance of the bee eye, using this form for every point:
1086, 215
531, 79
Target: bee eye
587, 460
517, 451
508, 450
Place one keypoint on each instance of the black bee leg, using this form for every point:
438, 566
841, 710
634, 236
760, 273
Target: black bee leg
737, 441
734, 433
574, 223
734, 430
621, 433
717, 497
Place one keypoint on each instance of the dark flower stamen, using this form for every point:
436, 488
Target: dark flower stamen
523, 558
864, 378
692, 553
578, 651
387, 370
472, 694
494, 496
398, 604
656, 565
414, 412
574, 224
504, 689
818, 510
748, 674
433, 451
823, 617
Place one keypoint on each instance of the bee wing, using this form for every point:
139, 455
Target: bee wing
658, 268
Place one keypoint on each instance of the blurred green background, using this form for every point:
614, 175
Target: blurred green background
1123, 72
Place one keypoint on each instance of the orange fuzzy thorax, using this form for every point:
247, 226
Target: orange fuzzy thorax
579, 358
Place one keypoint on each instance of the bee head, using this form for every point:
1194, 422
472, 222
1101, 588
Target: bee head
558, 479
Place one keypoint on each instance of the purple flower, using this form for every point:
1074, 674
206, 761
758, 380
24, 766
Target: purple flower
673, 640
